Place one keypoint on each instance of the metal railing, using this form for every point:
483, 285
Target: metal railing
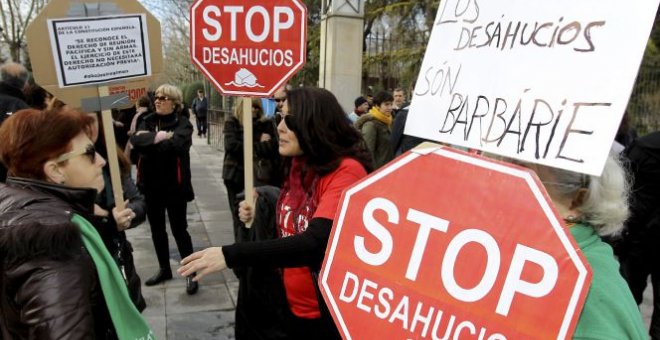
216, 121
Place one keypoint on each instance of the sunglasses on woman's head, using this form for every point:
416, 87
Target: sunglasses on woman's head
288, 119
89, 151
162, 98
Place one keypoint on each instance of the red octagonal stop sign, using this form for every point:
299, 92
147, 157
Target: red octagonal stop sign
248, 48
448, 245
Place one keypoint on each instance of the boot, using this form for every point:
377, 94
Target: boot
161, 276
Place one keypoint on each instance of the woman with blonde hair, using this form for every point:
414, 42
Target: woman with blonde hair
162, 141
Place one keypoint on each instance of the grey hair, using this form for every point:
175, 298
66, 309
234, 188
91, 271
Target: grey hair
606, 204
14, 75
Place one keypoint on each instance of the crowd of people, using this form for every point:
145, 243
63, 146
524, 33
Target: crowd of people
66, 266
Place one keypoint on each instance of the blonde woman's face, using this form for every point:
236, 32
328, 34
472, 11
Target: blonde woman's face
164, 104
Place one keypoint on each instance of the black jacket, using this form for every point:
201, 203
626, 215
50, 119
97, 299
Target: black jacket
400, 141
164, 168
644, 157
116, 242
49, 287
233, 165
11, 100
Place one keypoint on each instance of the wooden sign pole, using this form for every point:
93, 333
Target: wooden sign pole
247, 157
111, 146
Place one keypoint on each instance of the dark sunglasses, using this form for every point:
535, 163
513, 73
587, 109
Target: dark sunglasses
288, 119
279, 100
162, 98
89, 152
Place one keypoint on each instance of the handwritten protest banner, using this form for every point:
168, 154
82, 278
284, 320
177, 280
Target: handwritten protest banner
538, 80
99, 49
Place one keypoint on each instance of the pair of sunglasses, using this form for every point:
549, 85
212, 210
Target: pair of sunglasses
279, 100
89, 152
162, 98
288, 119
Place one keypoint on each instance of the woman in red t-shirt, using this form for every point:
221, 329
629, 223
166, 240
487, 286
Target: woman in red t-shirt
323, 155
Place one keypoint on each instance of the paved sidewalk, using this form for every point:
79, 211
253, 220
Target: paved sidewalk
209, 314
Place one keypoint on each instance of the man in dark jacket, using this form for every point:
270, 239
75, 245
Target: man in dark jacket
640, 249
200, 106
13, 81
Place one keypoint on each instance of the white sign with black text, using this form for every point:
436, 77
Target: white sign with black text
94, 50
538, 80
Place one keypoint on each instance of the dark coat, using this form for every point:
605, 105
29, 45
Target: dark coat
164, 168
116, 242
400, 141
233, 165
49, 287
11, 100
261, 309
643, 224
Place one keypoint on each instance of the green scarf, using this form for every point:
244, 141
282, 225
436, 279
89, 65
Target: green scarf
128, 322
382, 116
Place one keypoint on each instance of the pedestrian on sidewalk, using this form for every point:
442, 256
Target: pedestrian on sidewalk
57, 279
323, 155
200, 106
163, 142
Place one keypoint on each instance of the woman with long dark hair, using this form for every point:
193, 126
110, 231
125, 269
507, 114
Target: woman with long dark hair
323, 155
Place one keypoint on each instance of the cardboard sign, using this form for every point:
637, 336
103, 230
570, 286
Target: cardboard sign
449, 255
542, 81
99, 49
114, 43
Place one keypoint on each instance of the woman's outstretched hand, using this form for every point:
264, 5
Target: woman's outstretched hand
207, 261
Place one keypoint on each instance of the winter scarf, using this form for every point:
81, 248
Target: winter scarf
383, 117
128, 322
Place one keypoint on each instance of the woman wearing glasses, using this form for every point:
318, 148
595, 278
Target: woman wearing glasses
265, 151
163, 142
323, 155
58, 279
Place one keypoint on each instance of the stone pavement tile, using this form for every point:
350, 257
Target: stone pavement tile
201, 325
155, 299
158, 325
208, 298
233, 290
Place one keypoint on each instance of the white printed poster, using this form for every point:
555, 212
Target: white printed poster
537, 80
94, 50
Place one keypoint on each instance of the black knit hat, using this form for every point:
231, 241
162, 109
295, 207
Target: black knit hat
359, 101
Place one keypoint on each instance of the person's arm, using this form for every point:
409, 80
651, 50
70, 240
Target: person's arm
135, 199
179, 142
304, 249
370, 134
55, 301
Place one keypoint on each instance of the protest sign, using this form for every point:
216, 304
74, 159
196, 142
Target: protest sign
541, 81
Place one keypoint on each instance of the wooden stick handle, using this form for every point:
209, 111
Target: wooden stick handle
247, 157
111, 146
